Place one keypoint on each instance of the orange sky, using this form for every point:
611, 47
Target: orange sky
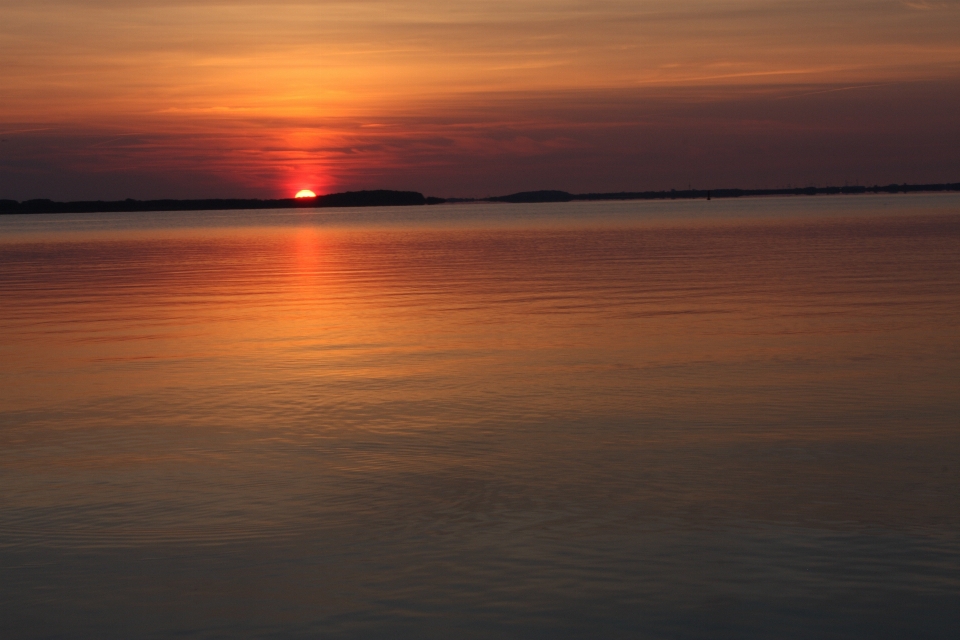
110, 99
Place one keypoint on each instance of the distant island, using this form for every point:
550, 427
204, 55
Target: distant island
378, 198
692, 194
387, 198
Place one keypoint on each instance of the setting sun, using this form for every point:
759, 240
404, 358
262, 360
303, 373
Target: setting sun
306, 193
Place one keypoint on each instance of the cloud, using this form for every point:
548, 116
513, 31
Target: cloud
926, 5
449, 95
487, 144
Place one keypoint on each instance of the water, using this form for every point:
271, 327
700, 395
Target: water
642, 420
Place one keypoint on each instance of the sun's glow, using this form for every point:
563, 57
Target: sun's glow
306, 193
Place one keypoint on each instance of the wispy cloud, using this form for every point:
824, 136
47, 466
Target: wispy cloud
364, 92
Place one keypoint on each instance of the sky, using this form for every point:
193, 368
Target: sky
109, 99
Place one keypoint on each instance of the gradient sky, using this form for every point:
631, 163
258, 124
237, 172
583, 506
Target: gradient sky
207, 98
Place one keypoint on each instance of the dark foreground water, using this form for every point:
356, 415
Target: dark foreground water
734, 419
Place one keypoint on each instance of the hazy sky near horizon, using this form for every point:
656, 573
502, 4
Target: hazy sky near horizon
212, 98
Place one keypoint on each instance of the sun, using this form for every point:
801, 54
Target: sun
306, 193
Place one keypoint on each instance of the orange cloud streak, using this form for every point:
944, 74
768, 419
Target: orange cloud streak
265, 99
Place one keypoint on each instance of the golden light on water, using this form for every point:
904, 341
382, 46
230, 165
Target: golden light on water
319, 390
305, 193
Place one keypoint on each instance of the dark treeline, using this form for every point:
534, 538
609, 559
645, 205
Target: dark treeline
386, 198
563, 196
380, 198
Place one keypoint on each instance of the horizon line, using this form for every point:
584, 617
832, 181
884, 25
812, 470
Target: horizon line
388, 197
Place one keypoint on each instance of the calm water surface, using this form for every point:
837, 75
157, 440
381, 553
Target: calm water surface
642, 420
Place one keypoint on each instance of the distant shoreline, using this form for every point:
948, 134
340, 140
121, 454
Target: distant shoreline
388, 198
